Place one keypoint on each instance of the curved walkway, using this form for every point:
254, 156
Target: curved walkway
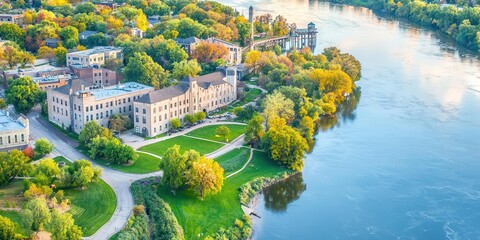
244, 166
119, 181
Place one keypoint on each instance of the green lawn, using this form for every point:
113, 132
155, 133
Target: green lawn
15, 217
186, 143
200, 218
144, 164
233, 160
208, 132
92, 207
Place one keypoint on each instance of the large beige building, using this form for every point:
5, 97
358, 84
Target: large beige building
13, 133
96, 55
73, 105
155, 110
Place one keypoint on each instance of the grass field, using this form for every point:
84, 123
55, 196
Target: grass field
13, 192
185, 143
200, 218
92, 207
233, 160
144, 164
15, 217
208, 132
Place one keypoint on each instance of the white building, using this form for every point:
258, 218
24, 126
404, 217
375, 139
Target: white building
96, 55
13, 133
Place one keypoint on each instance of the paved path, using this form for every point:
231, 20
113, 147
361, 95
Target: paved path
244, 166
119, 181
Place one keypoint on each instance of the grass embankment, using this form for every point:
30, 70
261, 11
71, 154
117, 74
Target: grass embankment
208, 132
200, 218
91, 207
185, 143
233, 160
71, 134
12, 194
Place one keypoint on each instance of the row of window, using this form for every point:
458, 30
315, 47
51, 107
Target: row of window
60, 110
107, 104
54, 99
15, 139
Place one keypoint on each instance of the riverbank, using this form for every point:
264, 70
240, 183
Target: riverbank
459, 23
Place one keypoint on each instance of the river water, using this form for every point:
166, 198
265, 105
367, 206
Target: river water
402, 161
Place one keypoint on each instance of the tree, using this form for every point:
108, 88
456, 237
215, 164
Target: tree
46, 169
164, 52
190, 118
277, 105
80, 173
8, 229
223, 131
307, 128
142, 69
285, 145
61, 56
118, 123
277, 50
175, 123
333, 81
200, 115
206, 176
28, 151
254, 131
46, 52
63, 226
173, 165
3, 104
207, 52
243, 32
253, 59
12, 32
186, 68
13, 164
91, 130
118, 152
247, 112
280, 26
43, 147
86, 7
113, 64
39, 212
11, 56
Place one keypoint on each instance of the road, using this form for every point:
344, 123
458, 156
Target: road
119, 181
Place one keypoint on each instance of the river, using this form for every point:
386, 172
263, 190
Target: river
403, 164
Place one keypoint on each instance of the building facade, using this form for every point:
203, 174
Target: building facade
17, 19
94, 56
73, 105
188, 44
154, 111
95, 74
13, 133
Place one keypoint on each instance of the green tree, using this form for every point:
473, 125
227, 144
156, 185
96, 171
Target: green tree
164, 52
81, 173
118, 123
39, 212
43, 147
285, 145
206, 176
254, 131
190, 118
280, 26
11, 55
223, 131
46, 171
86, 7
118, 152
142, 69
243, 32
186, 68
200, 115
13, 164
90, 131
277, 105
63, 226
12, 32
175, 123
174, 166
8, 229
113, 64
277, 50
69, 32
61, 56
3, 104
98, 39
307, 128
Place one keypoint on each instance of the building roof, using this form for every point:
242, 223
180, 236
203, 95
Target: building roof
186, 41
95, 50
31, 72
8, 124
75, 85
164, 93
87, 33
118, 90
205, 81
229, 44
52, 40
51, 79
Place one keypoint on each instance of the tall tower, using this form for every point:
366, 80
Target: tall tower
250, 19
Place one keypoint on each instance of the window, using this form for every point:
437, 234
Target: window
144, 111
75, 116
130, 108
96, 107
91, 108
16, 139
165, 107
96, 117
22, 137
9, 140
154, 110
128, 99
154, 130
101, 115
144, 119
136, 118
106, 113
136, 109
54, 108
1, 140
124, 109
124, 100
87, 118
